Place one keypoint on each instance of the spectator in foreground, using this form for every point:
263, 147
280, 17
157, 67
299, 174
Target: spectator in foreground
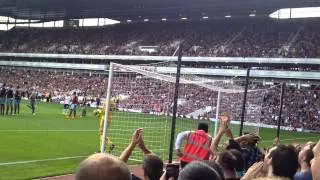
282, 161
152, 165
315, 163
198, 170
230, 162
103, 167
197, 146
305, 157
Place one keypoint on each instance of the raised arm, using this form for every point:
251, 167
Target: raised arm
134, 141
143, 147
224, 124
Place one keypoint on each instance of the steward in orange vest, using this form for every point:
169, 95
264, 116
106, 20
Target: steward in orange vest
197, 145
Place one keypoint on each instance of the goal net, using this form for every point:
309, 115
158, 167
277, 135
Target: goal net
144, 98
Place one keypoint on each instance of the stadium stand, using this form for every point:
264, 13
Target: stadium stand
301, 106
230, 38
218, 36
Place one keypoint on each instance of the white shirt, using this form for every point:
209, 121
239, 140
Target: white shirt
182, 136
67, 100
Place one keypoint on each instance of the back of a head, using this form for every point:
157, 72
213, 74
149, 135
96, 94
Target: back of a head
284, 161
240, 162
227, 161
199, 171
216, 167
308, 154
203, 126
103, 167
153, 166
233, 145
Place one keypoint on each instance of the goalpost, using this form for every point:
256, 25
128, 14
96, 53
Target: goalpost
144, 98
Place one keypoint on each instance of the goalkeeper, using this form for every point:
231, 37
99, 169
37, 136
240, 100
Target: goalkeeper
101, 114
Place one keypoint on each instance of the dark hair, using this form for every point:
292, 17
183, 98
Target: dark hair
216, 167
153, 166
255, 140
199, 170
284, 161
233, 145
203, 126
309, 155
227, 160
240, 163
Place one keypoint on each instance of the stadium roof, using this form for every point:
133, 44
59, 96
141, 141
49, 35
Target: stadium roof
140, 9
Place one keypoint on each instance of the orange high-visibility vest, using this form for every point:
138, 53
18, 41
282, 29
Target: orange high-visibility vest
197, 147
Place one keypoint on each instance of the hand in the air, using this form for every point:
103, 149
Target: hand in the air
136, 137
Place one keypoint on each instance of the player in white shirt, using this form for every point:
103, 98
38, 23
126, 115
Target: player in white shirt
66, 104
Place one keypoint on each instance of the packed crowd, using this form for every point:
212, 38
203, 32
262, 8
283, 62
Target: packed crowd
240, 158
301, 106
233, 37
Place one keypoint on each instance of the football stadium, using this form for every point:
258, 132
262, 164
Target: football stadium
183, 89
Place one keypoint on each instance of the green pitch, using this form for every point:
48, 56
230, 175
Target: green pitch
48, 144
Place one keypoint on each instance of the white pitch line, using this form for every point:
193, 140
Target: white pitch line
49, 130
39, 160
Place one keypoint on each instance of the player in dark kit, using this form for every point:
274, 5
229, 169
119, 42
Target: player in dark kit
84, 106
32, 99
9, 100
17, 100
2, 98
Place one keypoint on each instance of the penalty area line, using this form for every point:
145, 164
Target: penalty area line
40, 160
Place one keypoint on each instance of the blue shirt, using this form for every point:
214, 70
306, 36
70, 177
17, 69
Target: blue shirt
251, 156
303, 176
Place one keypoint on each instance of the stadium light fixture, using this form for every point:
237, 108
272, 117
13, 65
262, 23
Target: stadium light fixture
205, 17
146, 20
227, 16
252, 15
164, 19
129, 21
184, 18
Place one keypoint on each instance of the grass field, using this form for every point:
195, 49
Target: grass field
48, 144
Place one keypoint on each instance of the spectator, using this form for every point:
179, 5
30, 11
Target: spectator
197, 146
103, 167
230, 163
199, 170
282, 161
152, 164
248, 149
305, 157
315, 163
